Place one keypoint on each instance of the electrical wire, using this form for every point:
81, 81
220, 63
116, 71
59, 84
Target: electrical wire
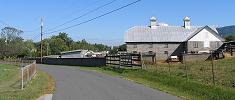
85, 14
102, 15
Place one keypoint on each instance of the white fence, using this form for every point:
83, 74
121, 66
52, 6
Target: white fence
27, 73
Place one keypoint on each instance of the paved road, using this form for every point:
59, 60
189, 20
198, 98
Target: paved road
75, 84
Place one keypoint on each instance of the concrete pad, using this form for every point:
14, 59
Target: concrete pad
46, 97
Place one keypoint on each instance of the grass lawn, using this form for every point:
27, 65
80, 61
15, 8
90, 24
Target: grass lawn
177, 84
41, 84
9, 75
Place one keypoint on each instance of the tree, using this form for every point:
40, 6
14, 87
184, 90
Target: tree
11, 41
122, 47
58, 45
29, 49
64, 36
83, 44
62, 42
46, 50
114, 50
11, 34
230, 38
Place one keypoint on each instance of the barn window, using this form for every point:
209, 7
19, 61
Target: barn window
165, 52
195, 44
166, 46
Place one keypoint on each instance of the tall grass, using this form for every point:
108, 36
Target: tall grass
173, 83
201, 71
195, 89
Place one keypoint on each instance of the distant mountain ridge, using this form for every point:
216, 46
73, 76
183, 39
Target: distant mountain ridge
227, 30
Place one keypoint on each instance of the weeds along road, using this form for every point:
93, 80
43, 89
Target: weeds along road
75, 84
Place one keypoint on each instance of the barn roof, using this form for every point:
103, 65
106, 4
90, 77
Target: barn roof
161, 33
73, 51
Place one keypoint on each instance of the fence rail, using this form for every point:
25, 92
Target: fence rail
124, 60
22, 71
129, 59
27, 73
11, 61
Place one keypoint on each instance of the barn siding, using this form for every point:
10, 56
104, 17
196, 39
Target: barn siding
191, 48
213, 46
158, 48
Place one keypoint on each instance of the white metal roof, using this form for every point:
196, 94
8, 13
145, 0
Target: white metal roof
73, 51
160, 34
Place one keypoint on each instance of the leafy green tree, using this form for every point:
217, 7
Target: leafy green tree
45, 47
122, 47
115, 49
64, 36
11, 41
29, 49
62, 42
11, 34
101, 47
230, 38
58, 45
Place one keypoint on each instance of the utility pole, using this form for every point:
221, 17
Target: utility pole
47, 48
41, 38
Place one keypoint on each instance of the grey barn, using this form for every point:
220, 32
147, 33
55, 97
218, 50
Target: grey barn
166, 41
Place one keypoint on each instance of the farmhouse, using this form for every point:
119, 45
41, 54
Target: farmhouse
166, 41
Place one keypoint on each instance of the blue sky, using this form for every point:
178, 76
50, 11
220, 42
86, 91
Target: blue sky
26, 14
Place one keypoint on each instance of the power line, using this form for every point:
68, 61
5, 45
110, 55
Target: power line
30, 31
75, 11
95, 17
87, 13
36, 37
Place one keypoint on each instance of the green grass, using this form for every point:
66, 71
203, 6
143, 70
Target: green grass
41, 84
201, 71
9, 76
186, 89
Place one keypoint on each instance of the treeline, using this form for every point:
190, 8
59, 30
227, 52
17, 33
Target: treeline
13, 45
62, 42
230, 38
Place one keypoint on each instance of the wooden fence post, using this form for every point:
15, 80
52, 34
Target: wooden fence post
168, 61
212, 67
185, 65
119, 61
141, 60
22, 78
